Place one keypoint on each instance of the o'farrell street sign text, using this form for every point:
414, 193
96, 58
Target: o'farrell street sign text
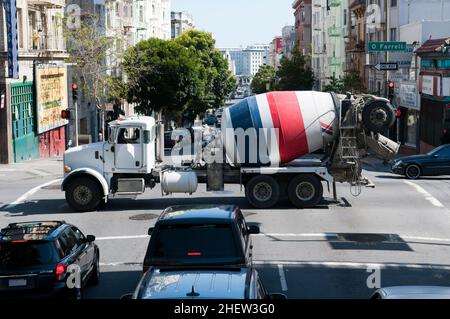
386, 46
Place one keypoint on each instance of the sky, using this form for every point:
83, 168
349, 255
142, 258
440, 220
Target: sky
236, 23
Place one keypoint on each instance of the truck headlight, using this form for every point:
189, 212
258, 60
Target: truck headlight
67, 169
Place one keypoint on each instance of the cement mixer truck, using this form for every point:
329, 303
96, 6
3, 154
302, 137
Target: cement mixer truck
261, 146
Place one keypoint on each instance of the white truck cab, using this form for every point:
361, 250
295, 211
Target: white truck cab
121, 165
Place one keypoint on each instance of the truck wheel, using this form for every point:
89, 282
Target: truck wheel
262, 191
305, 191
378, 116
83, 194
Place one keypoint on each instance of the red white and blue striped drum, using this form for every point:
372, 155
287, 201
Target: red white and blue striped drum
276, 128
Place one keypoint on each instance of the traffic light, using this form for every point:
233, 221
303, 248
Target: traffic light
391, 90
74, 92
398, 113
65, 114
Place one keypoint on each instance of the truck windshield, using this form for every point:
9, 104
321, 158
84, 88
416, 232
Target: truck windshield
193, 244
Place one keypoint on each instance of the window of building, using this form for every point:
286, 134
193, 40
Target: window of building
393, 34
117, 9
393, 3
20, 27
141, 13
345, 16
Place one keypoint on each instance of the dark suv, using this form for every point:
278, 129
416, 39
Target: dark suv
35, 257
200, 236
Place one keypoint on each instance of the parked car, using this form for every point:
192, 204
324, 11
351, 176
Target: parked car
435, 163
207, 283
412, 292
35, 256
204, 235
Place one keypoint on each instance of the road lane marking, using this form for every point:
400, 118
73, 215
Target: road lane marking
327, 264
282, 278
433, 200
325, 236
122, 237
31, 192
353, 265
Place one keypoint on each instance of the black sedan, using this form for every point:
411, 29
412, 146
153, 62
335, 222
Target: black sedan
46, 259
435, 163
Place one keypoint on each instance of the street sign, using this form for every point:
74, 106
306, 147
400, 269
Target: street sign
386, 66
386, 46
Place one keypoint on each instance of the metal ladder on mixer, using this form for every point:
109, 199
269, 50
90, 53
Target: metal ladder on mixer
348, 139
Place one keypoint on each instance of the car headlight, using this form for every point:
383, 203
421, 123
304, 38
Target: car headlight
398, 164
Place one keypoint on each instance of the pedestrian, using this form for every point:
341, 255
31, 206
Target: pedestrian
445, 138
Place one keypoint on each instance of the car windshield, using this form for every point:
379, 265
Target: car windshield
26, 253
195, 243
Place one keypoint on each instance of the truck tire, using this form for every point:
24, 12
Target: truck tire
305, 191
378, 116
83, 194
262, 191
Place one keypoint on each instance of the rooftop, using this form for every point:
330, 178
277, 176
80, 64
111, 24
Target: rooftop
435, 46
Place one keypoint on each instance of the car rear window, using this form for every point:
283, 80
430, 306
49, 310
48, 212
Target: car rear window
195, 242
26, 253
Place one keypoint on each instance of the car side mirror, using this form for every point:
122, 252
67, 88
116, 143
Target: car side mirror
253, 230
277, 296
90, 238
150, 230
126, 297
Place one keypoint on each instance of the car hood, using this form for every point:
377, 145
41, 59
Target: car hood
412, 158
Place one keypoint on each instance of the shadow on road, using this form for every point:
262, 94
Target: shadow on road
335, 282
59, 206
113, 285
303, 281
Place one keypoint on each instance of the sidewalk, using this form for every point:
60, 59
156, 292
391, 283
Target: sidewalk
46, 167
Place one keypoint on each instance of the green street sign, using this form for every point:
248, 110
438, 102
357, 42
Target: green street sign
386, 46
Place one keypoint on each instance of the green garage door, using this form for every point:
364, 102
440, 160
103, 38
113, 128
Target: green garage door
25, 140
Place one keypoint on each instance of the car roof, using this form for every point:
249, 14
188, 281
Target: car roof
415, 292
195, 283
39, 230
198, 213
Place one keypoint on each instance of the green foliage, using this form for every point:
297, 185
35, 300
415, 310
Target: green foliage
295, 73
89, 48
187, 73
351, 82
335, 85
264, 80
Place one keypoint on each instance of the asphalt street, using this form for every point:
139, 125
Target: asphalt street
400, 229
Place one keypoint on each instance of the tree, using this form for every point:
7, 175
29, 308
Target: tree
353, 83
264, 80
295, 73
161, 76
335, 85
214, 72
96, 56
173, 76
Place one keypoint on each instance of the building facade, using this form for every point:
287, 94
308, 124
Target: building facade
152, 19
319, 58
31, 37
337, 21
181, 22
248, 60
276, 52
434, 89
302, 14
289, 40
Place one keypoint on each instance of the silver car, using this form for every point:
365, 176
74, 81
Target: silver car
220, 283
412, 292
